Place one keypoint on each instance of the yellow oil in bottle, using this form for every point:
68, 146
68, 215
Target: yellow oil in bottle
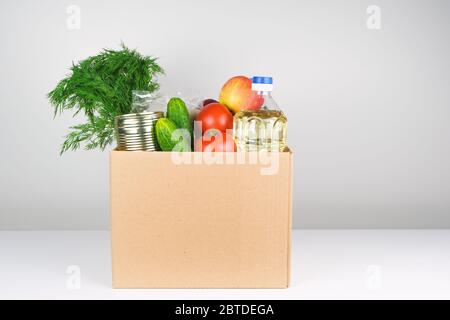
256, 130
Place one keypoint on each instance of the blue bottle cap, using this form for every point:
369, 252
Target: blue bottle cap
264, 80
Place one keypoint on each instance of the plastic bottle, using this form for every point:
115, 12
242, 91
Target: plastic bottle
264, 128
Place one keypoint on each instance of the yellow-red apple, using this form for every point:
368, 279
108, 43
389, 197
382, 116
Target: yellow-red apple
237, 95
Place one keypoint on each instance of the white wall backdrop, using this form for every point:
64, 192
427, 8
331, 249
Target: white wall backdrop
368, 109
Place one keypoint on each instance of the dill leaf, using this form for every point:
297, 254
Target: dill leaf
100, 87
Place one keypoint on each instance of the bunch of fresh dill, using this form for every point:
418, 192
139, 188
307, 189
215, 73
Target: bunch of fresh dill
100, 87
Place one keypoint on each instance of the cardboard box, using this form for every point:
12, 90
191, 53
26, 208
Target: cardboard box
196, 222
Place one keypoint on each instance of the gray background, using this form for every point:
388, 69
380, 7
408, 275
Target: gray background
368, 109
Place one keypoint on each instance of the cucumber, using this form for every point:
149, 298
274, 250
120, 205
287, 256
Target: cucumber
170, 137
179, 114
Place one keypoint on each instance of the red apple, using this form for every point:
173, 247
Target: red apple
237, 95
208, 101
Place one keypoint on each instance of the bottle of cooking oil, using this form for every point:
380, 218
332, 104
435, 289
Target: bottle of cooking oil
263, 128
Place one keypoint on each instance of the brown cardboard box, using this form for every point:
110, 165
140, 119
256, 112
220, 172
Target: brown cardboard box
189, 223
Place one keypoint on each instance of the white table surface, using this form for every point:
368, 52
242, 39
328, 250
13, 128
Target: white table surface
326, 264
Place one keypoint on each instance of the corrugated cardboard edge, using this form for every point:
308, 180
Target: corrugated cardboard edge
111, 217
289, 240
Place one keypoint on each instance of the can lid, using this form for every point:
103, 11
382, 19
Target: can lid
262, 80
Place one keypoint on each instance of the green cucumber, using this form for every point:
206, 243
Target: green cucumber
179, 114
171, 138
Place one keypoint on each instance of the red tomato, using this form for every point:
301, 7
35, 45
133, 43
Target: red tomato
218, 142
215, 116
